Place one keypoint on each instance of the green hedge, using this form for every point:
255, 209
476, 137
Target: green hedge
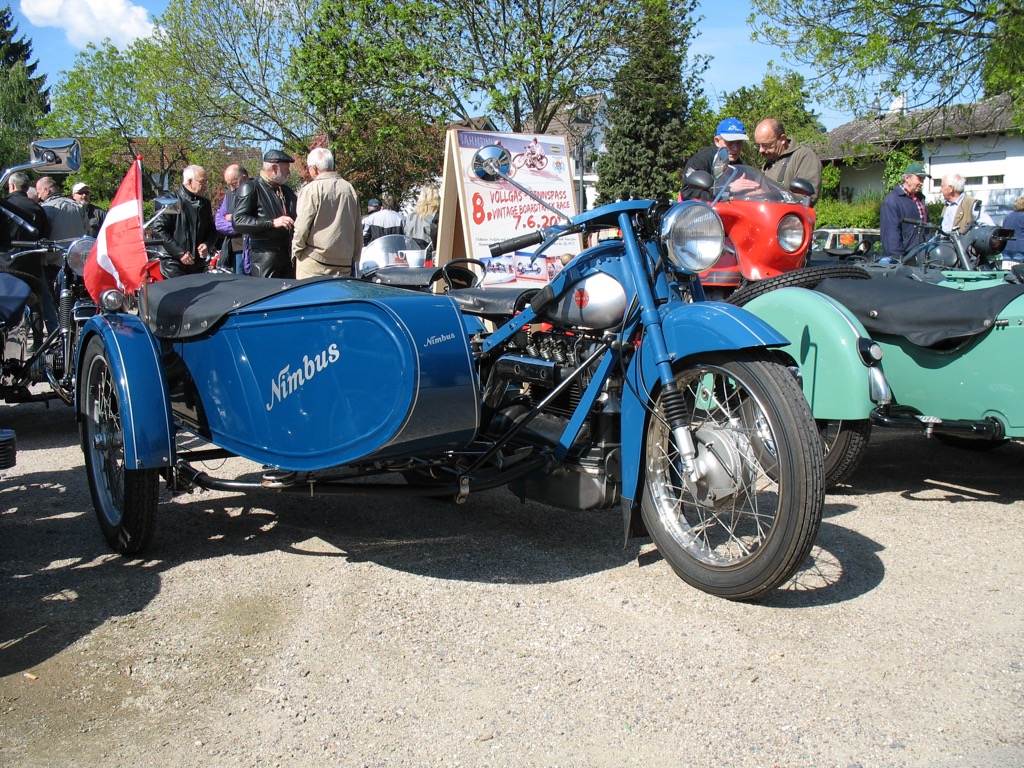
863, 212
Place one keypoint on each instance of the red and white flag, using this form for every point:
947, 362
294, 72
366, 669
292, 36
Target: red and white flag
118, 258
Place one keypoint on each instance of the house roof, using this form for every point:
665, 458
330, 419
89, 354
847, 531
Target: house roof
869, 135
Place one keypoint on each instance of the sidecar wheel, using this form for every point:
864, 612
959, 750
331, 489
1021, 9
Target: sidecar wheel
845, 443
745, 526
125, 499
808, 277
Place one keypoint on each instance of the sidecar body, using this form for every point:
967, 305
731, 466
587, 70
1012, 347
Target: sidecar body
297, 375
950, 351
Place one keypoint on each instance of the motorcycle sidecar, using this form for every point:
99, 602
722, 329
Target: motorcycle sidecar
297, 375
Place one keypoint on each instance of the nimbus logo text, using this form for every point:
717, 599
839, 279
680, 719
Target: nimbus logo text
288, 381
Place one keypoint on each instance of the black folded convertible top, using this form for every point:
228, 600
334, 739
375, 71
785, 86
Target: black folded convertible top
923, 313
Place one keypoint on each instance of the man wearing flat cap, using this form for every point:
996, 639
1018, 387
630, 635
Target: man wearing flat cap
904, 202
265, 211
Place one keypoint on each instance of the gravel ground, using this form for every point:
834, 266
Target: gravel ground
287, 631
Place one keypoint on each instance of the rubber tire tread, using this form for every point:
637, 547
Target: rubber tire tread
847, 452
134, 532
808, 277
803, 445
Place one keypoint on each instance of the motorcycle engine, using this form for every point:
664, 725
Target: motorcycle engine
520, 381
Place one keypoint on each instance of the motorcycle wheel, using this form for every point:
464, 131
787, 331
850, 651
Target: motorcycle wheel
808, 277
746, 526
125, 499
845, 443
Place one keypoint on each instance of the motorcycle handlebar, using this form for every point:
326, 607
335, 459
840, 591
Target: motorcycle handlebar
918, 222
523, 241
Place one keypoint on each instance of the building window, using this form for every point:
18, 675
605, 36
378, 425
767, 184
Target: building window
996, 179
974, 181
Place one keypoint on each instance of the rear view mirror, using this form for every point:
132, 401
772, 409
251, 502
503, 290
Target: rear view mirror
55, 156
721, 163
492, 163
801, 186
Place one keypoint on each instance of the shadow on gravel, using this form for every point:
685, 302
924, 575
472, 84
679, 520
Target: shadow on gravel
60, 581
926, 470
58, 578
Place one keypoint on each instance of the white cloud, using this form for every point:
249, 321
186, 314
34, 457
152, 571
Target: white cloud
90, 21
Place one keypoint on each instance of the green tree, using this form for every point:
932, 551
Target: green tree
363, 70
228, 60
24, 98
653, 94
120, 104
933, 54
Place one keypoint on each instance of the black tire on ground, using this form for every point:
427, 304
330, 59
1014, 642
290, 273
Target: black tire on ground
808, 277
749, 522
845, 443
125, 499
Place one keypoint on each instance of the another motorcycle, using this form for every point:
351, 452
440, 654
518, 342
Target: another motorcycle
25, 364
613, 386
976, 249
768, 229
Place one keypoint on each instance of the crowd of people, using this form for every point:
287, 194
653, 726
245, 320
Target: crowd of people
264, 228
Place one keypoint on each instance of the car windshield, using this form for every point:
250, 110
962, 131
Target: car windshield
743, 182
820, 239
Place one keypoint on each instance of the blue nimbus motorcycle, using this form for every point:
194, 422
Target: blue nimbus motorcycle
613, 385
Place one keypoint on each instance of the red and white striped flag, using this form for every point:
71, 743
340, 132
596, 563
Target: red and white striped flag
118, 258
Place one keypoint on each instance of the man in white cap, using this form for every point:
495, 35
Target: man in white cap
730, 135
265, 211
82, 195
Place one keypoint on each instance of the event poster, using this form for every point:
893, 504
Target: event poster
496, 211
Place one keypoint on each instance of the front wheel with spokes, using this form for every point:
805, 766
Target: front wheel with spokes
744, 518
125, 499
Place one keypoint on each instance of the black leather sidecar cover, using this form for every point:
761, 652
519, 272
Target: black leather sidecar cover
923, 313
191, 305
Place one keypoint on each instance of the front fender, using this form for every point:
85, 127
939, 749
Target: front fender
689, 329
825, 344
135, 362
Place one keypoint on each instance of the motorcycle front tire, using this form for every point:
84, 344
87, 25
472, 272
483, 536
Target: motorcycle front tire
748, 523
125, 499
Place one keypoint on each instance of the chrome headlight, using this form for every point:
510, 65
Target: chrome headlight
112, 300
78, 252
693, 235
791, 232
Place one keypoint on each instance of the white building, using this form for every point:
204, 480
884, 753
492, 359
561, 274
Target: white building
976, 140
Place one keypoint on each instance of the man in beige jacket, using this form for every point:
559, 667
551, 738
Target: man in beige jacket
328, 235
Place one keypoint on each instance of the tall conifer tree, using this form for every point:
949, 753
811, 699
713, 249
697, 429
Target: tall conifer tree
654, 94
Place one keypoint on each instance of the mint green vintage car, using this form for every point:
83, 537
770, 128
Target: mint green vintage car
942, 358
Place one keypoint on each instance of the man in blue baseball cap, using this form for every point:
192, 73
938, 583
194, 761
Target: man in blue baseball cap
730, 135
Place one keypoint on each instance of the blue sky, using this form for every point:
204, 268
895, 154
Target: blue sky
60, 28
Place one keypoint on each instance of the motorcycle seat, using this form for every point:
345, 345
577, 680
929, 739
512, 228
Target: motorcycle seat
496, 303
923, 313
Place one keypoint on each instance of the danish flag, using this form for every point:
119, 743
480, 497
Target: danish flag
118, 258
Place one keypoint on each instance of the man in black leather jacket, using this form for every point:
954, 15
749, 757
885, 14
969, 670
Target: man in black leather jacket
190, 236
265, 211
